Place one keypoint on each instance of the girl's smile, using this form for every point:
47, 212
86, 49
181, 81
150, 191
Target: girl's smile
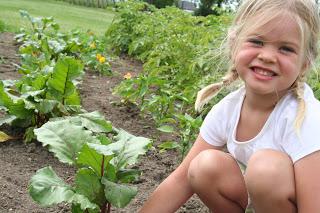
270, 61
262, 73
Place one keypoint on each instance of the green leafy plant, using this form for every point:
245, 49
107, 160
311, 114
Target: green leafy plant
44, 44
178, 51
104, 164
52, 65
187, 126
35, 98
171, 75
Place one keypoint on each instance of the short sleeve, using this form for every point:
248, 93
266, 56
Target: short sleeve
213, 129
298, 144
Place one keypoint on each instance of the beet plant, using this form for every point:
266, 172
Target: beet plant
104, 164
38, 96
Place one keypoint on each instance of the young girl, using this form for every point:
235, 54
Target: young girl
270, 124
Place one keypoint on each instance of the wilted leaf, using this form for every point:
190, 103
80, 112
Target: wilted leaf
4, 137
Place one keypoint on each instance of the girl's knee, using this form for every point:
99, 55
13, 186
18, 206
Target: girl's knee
205, 164
270, 172
214, 175
269, 162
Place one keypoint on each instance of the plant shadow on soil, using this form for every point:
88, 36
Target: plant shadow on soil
19, 161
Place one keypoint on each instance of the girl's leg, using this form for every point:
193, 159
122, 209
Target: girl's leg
270, 182
217, 179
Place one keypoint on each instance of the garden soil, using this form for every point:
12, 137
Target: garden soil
19, 161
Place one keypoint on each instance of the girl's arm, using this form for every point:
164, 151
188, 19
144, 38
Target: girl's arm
175, 190
307, 178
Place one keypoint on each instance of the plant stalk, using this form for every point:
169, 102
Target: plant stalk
102, 166
109, 208
106, 206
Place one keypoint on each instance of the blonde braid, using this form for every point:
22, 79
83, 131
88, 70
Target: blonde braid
298, 92
210, 91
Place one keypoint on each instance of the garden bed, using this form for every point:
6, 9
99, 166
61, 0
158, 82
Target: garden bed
19, 161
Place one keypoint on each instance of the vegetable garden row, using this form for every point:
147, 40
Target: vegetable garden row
180, 55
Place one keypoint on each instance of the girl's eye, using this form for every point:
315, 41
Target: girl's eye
287, 49
256, 41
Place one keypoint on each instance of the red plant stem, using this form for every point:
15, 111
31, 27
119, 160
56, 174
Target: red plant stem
103, 208
109, 208
106, 207
102, 166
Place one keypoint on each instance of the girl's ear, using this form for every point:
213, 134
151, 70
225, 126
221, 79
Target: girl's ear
305, 67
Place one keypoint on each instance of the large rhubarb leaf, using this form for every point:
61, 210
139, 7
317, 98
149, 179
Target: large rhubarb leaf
15, 107
46, 188
90, 158
61, 83
118, 195
88, 183
95, 122
126, 149
64, 139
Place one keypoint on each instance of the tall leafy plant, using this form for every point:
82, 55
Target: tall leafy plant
103, 164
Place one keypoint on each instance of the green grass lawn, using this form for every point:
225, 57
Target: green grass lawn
66, 15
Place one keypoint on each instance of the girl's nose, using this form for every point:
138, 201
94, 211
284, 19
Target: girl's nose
267, 56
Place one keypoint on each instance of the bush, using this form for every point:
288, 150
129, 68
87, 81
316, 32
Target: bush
161, 3
209, 7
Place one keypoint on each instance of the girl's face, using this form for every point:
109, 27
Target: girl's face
269, 59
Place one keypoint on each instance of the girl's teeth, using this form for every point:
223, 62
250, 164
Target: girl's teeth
262, 72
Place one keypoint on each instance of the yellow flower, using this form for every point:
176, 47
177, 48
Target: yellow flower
102, 60
127, 76
93, 45
90, 32
98, 56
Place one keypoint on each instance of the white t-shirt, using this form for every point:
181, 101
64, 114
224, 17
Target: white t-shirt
278, 133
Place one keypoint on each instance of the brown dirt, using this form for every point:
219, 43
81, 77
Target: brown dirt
19, 161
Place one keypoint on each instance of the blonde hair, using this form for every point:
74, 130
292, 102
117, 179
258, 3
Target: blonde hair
253, 14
